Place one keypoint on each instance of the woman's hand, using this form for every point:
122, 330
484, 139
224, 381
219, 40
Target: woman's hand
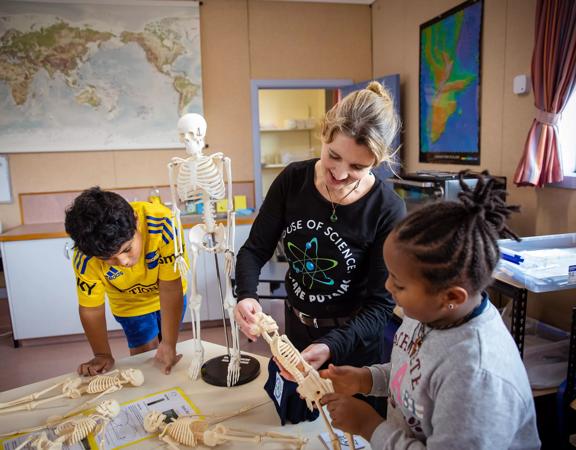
316, 355
349, 380
244, 314
352, 415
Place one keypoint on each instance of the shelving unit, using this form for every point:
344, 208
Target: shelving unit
273, 166
286, 131
272, 130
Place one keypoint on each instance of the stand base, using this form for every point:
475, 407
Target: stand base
215, 370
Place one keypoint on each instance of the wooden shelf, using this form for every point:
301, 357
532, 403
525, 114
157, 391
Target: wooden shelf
273, 130
273, 166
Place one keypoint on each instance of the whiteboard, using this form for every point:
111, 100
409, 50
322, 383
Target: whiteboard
5, 191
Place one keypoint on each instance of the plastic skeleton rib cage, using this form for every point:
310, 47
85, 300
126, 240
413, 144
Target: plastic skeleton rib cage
192, 432
201, 177
310, 385
73, 430
76, 387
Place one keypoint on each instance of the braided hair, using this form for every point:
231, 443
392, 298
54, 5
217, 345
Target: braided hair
455, 242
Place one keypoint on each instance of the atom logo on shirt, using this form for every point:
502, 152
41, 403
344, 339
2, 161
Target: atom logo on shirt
312, 268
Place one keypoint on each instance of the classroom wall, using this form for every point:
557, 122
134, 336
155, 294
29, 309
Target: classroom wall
507, 43
241, 40
508, 39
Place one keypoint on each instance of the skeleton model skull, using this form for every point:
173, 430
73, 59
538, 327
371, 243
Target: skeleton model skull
311, 386
201, 177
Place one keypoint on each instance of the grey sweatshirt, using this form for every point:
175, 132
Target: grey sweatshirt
466, 388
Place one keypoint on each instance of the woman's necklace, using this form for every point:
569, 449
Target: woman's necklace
333, 216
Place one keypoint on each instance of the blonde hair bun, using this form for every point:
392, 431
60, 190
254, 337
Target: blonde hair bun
367, 118
380, 90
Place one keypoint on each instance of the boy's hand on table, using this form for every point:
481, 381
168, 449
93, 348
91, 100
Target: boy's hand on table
166, 356
100, 364
352, 415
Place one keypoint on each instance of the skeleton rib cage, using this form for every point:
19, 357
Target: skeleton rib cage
196, 176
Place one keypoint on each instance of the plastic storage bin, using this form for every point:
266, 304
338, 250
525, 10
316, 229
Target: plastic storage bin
539, 263
545, 352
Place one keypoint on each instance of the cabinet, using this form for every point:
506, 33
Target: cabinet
42, 290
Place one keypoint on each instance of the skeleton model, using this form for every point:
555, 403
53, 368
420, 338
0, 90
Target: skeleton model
201, 177
72, 430
191, 432
311, 386
76, 387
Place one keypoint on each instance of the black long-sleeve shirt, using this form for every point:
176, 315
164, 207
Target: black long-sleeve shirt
335, 269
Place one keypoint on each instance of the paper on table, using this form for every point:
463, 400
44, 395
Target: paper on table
127, 428
359, 441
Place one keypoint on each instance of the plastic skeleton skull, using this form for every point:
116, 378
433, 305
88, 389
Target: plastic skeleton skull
192, 129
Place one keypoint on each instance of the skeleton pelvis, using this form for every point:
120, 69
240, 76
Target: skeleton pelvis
200, 238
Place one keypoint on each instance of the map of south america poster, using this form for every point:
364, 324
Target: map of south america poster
450, 86
97, 75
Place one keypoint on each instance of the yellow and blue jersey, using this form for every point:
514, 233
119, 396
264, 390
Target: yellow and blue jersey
132, 291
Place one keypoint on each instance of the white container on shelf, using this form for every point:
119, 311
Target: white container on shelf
540, 263
545, 352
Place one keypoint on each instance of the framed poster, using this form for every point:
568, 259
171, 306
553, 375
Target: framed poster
449, 86
97, 74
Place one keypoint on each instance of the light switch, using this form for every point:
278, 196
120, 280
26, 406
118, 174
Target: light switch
520, 84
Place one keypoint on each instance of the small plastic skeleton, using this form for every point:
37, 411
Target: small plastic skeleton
41, 442
191, 432
201, 177
311, 386
76, 387
73, 430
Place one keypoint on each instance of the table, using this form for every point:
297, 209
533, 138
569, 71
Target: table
208, 398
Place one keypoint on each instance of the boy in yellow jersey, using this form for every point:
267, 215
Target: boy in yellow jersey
126, 252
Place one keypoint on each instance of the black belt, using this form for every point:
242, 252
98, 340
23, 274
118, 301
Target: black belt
315, 322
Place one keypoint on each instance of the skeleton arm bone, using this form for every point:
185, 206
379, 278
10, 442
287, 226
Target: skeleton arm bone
179, 260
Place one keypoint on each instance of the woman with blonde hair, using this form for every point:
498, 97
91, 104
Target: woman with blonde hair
332, 216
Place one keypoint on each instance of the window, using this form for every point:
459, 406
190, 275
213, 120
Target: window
567, 133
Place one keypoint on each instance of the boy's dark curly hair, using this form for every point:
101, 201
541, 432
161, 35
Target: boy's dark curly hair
100, 222
455, 242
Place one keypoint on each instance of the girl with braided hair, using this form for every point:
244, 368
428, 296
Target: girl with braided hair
455, 380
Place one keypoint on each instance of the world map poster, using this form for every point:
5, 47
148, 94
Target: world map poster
102, 75
450, 86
